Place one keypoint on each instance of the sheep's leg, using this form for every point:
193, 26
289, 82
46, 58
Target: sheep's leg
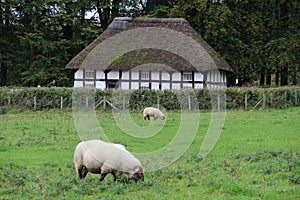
115, 177
148, 116
79, 171
84, 172
103, 176
79, 175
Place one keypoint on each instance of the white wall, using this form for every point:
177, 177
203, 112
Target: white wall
175, 86
165, 86
198, 86
78, 74
125, 85
113, 75
78, 84
155, 86
213, 76
165, 76
100, 75
135, 75
176, 76
187, 85
100, 85
125, 75
145, 84
134, 86
198, 76
155, 75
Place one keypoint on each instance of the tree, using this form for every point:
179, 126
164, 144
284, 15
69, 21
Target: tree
257, 38
107, 10
40, 38
8, 42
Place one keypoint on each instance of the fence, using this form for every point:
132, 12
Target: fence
64, 98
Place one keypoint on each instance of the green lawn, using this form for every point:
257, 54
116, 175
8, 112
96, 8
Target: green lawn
256, 157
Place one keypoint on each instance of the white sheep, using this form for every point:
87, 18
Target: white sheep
99, 157
119, 146
153, 112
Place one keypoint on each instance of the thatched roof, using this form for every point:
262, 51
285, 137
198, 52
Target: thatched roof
173, 56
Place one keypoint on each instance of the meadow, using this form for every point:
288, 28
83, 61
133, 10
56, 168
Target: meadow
256, 157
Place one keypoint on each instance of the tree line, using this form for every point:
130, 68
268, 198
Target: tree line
260, 39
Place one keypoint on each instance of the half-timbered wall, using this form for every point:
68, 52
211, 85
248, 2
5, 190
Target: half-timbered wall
156, 80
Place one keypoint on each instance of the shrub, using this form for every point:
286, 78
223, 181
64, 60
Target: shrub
204, 99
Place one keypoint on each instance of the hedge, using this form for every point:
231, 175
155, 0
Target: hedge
204, 99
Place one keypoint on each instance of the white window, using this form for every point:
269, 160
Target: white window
89, 85
187, 76
144, 87
187, 86
89, 74
145, 76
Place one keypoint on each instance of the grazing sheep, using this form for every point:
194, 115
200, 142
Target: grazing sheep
120, 146
99, 157
153, 112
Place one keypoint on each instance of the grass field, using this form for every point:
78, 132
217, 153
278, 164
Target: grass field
256, 157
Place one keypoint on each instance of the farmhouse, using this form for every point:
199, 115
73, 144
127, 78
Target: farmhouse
149, 53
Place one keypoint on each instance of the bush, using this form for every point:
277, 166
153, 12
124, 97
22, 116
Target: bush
204, 99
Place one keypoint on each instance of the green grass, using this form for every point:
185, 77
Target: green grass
256, 157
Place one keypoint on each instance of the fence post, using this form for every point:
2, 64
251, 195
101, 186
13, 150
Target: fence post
34, 102
264, 100
296, 98
246, 101
8, 101
219, 102
124, 104
271, 99
285, 98
87, 102
104, 102
61, 103
157, 98
189, 98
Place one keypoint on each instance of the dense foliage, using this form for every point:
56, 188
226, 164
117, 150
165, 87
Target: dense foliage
259, 39
65, 98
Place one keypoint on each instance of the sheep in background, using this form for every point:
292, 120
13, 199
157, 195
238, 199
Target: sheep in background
153, 112
99, 157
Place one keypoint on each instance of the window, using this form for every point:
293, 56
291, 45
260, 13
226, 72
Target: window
187, 87
145, 76
144, 88
187, 76
89, 85
111, 84
89, 74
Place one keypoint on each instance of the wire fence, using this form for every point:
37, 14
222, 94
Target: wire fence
230, 98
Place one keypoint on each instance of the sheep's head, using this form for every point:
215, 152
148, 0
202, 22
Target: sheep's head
162, 117
138, 174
